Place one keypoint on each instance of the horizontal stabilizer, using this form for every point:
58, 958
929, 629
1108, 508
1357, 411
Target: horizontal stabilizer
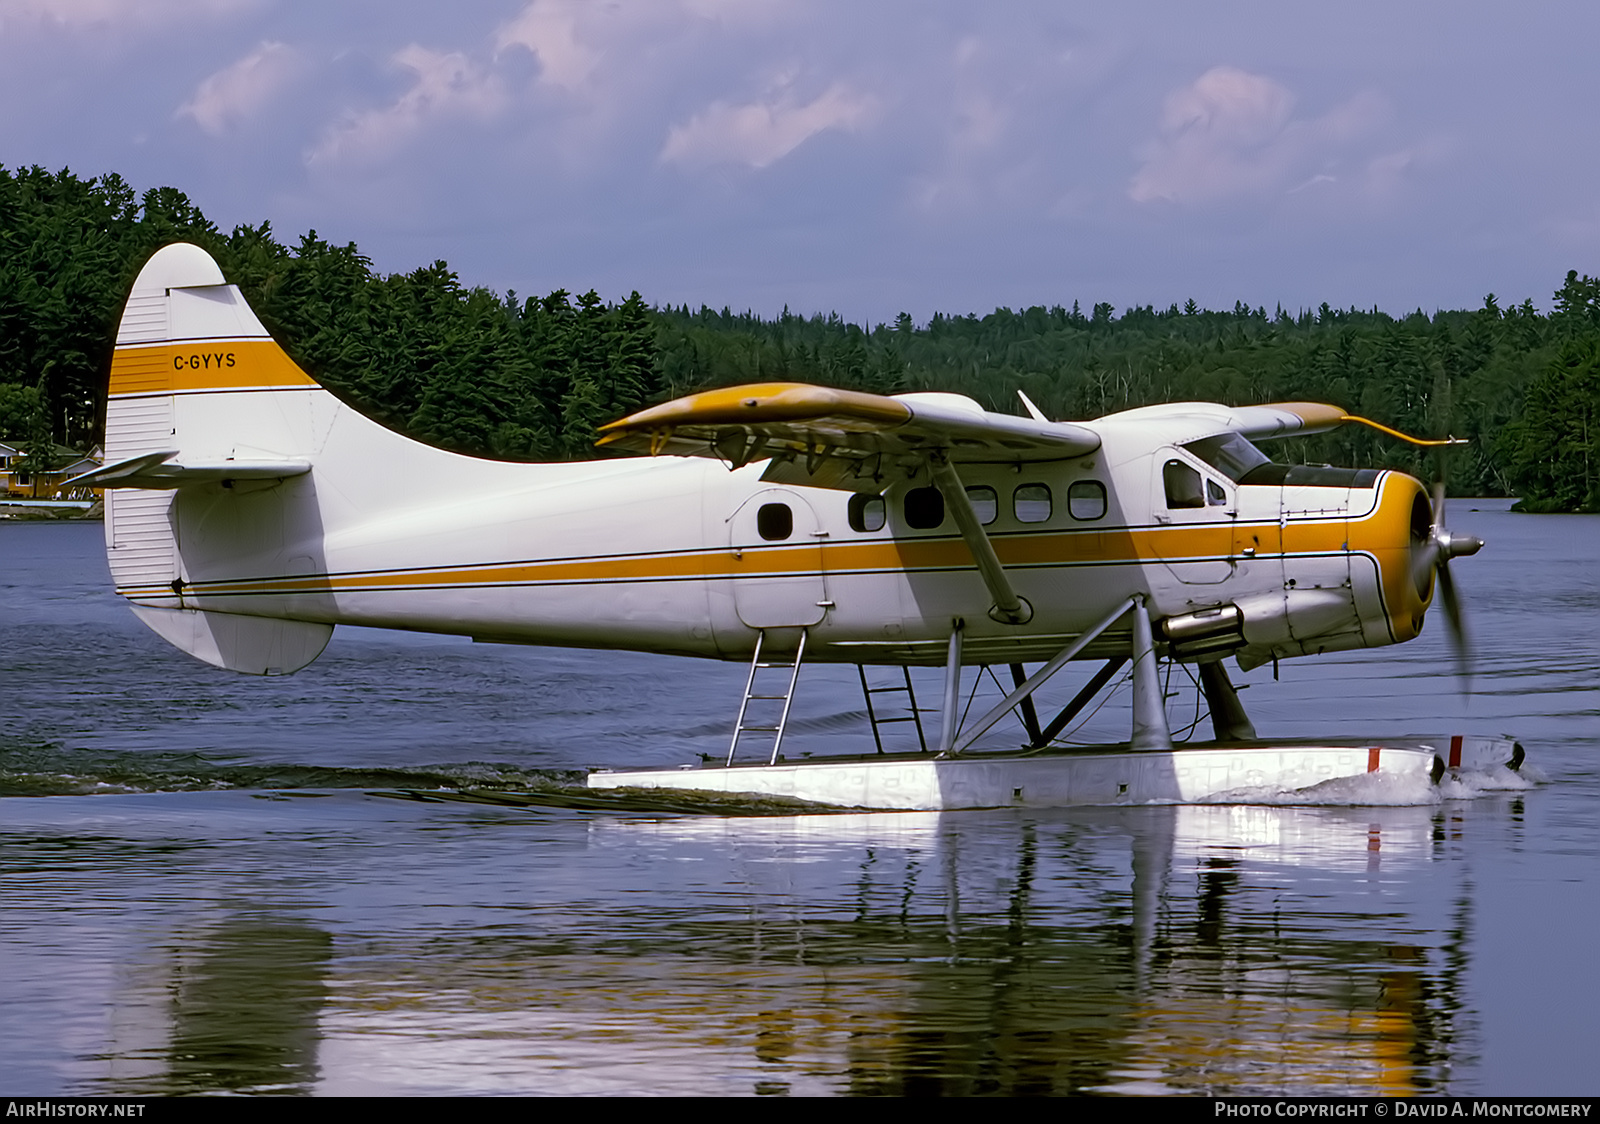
252, 645
158, 470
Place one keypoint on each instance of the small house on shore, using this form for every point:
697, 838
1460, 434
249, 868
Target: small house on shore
19, 477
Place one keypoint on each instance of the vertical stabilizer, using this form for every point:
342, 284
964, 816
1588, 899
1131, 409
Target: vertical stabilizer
196, 379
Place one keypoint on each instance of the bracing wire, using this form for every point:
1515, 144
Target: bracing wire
1063, 737
1188, 730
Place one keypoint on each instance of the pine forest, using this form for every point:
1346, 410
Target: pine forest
530, 378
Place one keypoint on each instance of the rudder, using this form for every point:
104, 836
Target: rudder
202, 398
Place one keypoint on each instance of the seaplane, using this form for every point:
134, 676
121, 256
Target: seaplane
249, 512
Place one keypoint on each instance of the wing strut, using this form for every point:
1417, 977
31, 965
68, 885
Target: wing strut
1008, 607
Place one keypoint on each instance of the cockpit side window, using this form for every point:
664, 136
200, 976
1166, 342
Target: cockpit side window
1228, 453
1183, 485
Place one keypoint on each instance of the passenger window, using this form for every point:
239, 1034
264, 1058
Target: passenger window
924, 508
774, 521
1086, 499
984, 503
1214, 493
1030, 503
1183, 485
867, 513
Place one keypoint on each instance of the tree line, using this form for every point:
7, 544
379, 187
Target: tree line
458, 367
507, 377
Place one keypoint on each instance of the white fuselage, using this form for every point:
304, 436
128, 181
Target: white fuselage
667, 554
282, 504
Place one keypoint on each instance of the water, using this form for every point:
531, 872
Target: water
212, 897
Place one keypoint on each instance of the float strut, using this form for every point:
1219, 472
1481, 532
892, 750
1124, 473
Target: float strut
1150, 730
1030, 716
1036, 680
952, 688
1082, 699
1229, 722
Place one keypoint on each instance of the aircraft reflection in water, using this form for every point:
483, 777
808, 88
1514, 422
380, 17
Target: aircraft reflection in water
233, 1009
1260, 950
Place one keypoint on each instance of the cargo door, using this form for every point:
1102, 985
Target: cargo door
776, 541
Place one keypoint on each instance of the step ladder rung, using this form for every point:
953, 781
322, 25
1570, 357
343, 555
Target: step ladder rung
740, 728
914, 711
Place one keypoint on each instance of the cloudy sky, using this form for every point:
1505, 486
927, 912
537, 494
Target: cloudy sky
866, 157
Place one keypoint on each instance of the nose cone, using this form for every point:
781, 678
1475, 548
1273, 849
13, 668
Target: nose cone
1455, 545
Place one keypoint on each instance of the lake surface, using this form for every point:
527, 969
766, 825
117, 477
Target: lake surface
203, 887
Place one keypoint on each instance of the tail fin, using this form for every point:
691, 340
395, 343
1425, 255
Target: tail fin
210, 432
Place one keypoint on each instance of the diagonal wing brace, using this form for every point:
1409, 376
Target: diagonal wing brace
1008, 607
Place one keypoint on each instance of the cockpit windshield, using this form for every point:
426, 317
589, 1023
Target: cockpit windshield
1228, 453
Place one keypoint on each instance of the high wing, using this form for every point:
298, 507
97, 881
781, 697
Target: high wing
855, 442
1257, 423
850, 441
841, 439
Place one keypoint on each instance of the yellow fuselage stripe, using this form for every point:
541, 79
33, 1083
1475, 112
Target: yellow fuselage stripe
1120, 546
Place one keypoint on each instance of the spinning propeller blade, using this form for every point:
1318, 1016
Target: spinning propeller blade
1431, 558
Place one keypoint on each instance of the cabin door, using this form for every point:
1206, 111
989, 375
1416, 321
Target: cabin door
776, 542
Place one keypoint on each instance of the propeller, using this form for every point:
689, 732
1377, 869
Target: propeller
1431, 552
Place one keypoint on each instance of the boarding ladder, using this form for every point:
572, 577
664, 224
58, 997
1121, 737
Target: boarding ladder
912, 713
742, 726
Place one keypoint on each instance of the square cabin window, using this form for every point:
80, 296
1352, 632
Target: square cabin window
985, 504
1030, 503
774, 521
924, 508
1086, 499
867, 513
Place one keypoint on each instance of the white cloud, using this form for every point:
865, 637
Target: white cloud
759, 133
447, 87
239, 91
573, 39
549, 28
1231, 135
